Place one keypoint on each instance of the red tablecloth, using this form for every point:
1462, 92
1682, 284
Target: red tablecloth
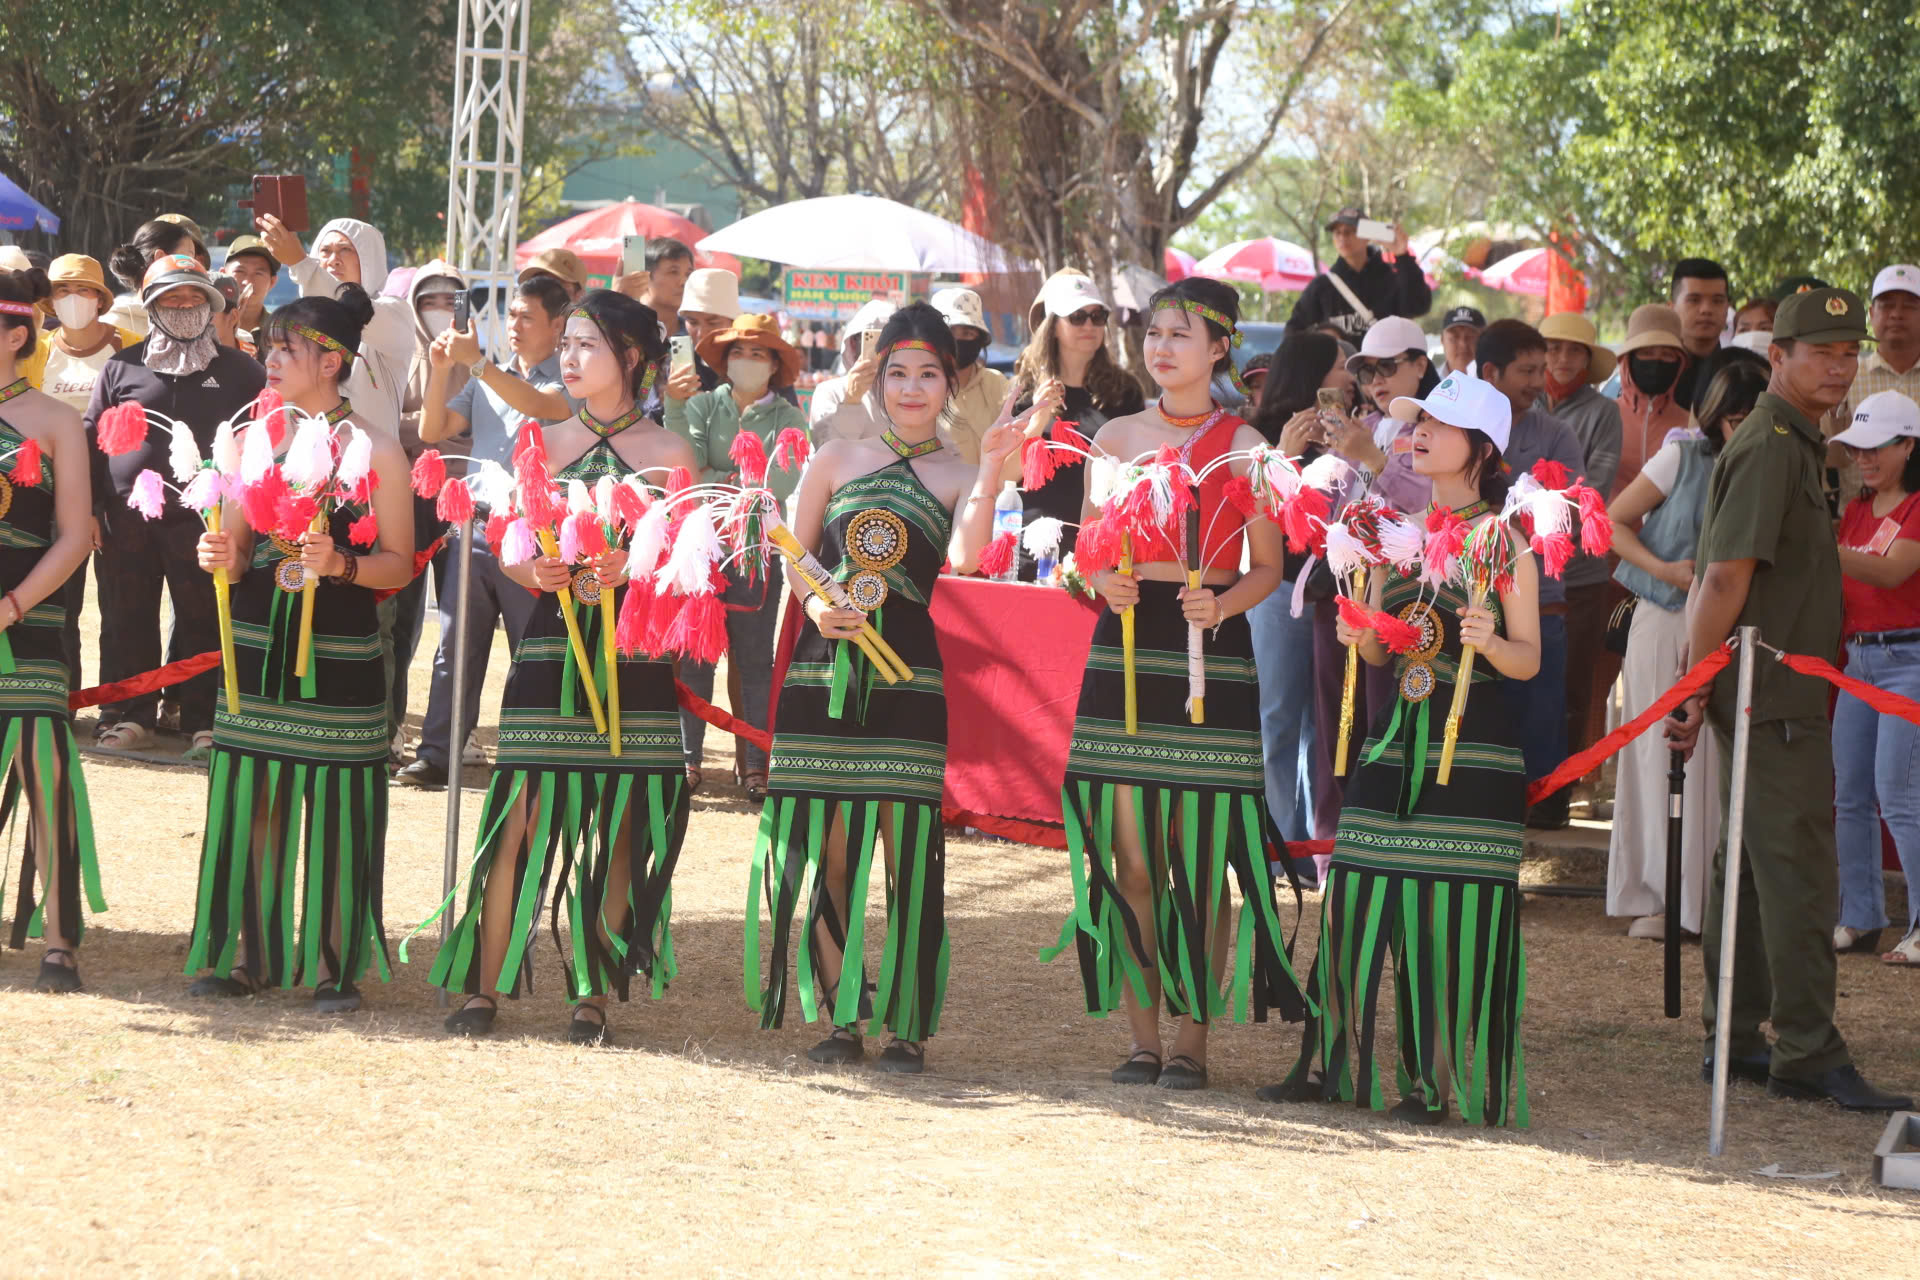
1014, 654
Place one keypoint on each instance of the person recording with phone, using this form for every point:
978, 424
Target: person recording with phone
1363, 284
535, 320
839, 410
348, 251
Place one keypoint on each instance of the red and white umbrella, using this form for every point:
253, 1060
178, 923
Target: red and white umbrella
599, 237
1276, 265
1179, 264
1524, 273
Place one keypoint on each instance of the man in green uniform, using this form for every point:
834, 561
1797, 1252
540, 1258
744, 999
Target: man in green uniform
1768, 559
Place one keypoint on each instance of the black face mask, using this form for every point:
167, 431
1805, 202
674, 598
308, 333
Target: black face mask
967, 350
1653, 377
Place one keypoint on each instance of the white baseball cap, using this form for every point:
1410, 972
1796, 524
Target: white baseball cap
713, 290
1065, 294
1393, 336
1464, 402
961, 307
873, 314
1899, 278
1880, 419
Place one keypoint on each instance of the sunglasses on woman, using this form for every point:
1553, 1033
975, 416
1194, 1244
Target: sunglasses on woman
1090, 315
1368, 370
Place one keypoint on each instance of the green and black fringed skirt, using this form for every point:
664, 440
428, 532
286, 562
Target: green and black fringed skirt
295, 843
1199, 814
562, 808
1430, 873
35, 732
850, 748
36, 726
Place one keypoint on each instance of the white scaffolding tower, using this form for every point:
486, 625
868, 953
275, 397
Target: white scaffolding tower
483, 179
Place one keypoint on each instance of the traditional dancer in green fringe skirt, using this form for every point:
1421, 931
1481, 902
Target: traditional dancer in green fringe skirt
291, 864
44, 511
1160, 821
1426, 871
604, 831
858, 761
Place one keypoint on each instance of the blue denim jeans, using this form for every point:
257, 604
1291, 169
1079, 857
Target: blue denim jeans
1539, 705
1283, 658
1876, 775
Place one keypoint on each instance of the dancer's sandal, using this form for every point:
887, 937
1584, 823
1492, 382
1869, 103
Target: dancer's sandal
589, 1031
215, 987
902, 1058
843, 1048
60, 979
473, 1019
1182, 1072
1141, 1067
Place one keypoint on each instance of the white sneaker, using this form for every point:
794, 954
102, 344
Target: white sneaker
397, 749
1845, 939
473, 752
1653, 927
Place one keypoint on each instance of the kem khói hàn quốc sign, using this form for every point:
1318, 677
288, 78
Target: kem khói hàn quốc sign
835, 295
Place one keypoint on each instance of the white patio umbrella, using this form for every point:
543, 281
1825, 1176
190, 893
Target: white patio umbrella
860, 233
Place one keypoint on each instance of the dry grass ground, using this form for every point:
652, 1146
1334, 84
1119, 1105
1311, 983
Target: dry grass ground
150, 1134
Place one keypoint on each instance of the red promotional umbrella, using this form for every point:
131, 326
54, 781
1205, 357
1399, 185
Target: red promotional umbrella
1276, 265
599, 237
1179, 264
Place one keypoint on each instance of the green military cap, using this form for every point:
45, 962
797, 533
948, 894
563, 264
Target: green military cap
255, 246
1822, 315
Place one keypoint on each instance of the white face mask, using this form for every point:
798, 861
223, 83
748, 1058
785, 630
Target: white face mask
749, 375
436, 322
76, 310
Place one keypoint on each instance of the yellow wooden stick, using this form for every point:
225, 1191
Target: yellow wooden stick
309, 582
613, 668
550, 548
223, 610
1126, 640
1198, 712
1347, 691
1461, 681
878, 651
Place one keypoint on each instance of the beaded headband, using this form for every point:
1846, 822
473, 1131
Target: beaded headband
320, 339
912, 344
17, 309
1234, 336
581, 313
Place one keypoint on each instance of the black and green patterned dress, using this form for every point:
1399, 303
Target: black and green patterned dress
35, 728
1199, 806
1431, 873
585, 807
302, 764
846, 746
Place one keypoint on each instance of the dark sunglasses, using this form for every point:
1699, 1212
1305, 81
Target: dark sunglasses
1368, 370
1090, 315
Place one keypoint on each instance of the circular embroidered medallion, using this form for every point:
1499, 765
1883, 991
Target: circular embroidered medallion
867, 590
877, 539
290, 575
1432, 636
1416, 682
586, 586
6, 496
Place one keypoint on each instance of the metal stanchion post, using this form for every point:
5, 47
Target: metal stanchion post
456, 731
1730, 894
1676, 840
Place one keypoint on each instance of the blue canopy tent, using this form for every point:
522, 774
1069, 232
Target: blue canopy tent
21, 212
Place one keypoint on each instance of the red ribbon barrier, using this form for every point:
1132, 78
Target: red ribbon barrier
1880, 700
721, 720
146, 681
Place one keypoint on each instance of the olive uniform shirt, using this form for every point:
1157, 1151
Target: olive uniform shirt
1765, 503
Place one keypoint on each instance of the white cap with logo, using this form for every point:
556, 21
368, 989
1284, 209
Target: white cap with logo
1393, 336
1464, 402
960, 307
1899, 278
1881, 418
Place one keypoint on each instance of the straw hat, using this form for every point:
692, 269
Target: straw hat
752, 328
1654, 325
78, 268
562, 264
713, 291
1571, 326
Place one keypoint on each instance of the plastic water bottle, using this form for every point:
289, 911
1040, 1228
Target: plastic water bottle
1006, 519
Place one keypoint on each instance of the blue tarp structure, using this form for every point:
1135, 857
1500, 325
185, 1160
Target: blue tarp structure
21, 212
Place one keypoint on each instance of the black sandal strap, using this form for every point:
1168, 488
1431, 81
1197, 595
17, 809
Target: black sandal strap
1140, 1054
579, 1009
51, 952
1179, 1058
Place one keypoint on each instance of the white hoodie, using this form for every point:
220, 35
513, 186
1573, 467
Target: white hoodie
379, 376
